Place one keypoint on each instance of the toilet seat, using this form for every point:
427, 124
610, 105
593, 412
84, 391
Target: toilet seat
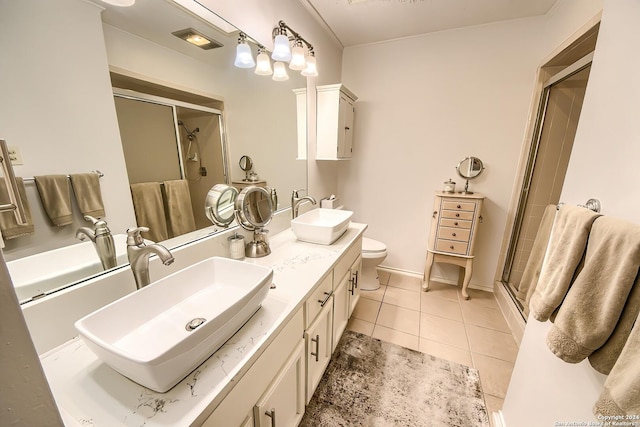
372, 248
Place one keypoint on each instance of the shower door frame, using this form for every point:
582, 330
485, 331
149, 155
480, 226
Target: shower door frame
532, 155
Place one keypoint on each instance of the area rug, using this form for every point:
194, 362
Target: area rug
374, 383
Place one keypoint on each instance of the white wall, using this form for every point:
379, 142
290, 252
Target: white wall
55, 105
424, 104
603, 165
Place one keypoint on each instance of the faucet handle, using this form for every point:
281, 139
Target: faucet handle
134, 236
91, 219
295, 192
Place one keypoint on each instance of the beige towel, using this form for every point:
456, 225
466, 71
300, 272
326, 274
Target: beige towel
8, 224
532, 270
566, 248
605, 357
621, 394
86, 187
54, 191
594, 303
178, 207
147, 202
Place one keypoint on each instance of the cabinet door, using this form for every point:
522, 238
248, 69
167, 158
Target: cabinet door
341, 308
318, 342
345, 127
354, 288
283, 402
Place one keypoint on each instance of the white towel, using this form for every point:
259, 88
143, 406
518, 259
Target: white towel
566, 249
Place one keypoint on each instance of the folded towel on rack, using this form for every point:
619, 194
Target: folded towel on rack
54, 191
147, 203
593, 305
178, 207
621, 394
566, 249
532, 270
604, 358
86, 187
8, 223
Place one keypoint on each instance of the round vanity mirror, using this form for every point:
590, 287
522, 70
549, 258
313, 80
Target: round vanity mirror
219, 205
254, 207
469, 168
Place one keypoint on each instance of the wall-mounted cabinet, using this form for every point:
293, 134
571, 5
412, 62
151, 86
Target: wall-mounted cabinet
335, 109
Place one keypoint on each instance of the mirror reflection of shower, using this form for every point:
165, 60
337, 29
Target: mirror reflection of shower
192, 156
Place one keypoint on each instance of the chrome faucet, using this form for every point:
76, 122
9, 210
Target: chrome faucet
138, 252
296, 201
102, 241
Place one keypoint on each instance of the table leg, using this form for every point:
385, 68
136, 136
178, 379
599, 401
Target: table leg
427, 272
468, 269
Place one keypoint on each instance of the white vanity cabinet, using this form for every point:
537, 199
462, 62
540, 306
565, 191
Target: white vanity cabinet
274, 382
335, 109
347, 291
284, 399
318, 339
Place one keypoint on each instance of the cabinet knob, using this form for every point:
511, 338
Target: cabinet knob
347, 128
458, 215
451, 247
453, 234
458, 206
455, 223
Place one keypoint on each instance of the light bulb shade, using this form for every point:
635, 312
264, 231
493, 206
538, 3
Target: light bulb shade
297, 58
244, 58
263, 65
121, 3
281, 49
310, 70
279, 72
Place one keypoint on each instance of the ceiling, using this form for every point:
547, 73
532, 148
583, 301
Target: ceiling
356, 22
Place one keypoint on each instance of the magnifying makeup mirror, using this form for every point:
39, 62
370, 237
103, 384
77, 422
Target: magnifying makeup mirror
469, 168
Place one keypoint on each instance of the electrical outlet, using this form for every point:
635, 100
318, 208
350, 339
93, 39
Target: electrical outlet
15, 156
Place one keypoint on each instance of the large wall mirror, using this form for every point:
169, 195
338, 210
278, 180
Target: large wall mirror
237, 113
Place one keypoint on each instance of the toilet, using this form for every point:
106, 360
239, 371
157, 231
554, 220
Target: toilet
373, 253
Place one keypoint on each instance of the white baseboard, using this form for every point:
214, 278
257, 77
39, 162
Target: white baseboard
393, 270
498, 419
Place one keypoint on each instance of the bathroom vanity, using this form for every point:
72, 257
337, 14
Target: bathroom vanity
272, 365
454, 225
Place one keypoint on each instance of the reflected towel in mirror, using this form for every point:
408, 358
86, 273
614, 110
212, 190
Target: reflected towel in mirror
179, 213
86, 187
55, 195
149, 208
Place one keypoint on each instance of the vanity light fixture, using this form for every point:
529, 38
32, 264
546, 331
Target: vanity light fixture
310, 70
196, 38
279, 72
244, 58
263, 63
296, 58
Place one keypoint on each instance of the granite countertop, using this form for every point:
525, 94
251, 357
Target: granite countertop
90, 393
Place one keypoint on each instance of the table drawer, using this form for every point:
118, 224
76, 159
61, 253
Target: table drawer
448, 222
459, 234
457, 214
451, 246
458, 205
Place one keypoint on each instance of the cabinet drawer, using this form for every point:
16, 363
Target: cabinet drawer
457, 214
317, 300
451, 246
459, 234
458, 205
460, 223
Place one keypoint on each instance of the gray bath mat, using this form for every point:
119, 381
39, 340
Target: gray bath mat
374, 383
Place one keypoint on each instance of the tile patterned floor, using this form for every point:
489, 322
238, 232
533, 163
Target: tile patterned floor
442, 323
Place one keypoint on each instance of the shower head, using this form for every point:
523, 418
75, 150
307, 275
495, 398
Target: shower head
180, 123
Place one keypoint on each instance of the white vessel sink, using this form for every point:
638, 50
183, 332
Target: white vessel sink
40, 273
145, 335
322, 226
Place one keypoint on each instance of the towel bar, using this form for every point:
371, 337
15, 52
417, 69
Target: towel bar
100, 175
592, 204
